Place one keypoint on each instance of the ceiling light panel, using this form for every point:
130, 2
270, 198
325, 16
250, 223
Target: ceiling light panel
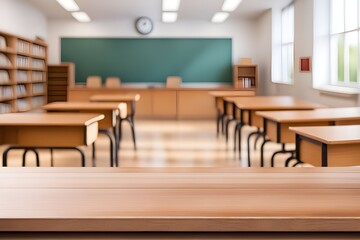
220, 17
69, 5
231, 5
81, 16
170, 5
169, 17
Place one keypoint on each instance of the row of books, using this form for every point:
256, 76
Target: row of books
38, 88
22, 76
245, 83
22, 61
37, 76
4, 60
38, 101
5, 108
23, 46
2, 42
6, 92
36, 63
22, 105
21, 90
38, 50
4, 76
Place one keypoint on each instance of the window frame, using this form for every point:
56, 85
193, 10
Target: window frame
334, 74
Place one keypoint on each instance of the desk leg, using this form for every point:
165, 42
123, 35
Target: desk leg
107, 133
218, 121
239, 138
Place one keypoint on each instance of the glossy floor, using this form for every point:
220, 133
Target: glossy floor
163, 144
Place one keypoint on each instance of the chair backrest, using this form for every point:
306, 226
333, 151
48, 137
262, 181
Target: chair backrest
173, 82
113, 82
93, 82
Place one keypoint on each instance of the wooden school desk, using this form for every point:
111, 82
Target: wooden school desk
130, 100
109, 110
180, 200
247, 107
33, 131
330, 146
221, 108
276, 124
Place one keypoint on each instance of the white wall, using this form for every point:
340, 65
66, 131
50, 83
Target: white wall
302, 87
242, 33
18, 17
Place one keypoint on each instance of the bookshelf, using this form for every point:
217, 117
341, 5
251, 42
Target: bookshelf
246, 76
61, 77
23, 73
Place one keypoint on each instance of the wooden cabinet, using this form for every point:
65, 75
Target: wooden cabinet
246, 76
23, 73
61, 77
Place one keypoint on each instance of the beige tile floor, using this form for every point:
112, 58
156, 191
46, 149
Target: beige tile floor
162, 144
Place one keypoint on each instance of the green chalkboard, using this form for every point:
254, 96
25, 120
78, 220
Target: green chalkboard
150, 60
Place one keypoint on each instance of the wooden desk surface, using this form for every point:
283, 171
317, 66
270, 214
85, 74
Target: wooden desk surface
242, 200
272, 103
321, 114
49, 119
237, 93
83, 106
115, 97
331, 134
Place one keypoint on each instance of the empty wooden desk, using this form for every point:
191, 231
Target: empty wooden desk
109, 110
48, 130
180, 200
277, 123
247, 107
334, 146
130, 100
222, 109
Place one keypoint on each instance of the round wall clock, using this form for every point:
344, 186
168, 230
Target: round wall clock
144, 25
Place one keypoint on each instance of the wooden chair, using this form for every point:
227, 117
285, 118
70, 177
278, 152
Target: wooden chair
113, 82
173, 82
93, 82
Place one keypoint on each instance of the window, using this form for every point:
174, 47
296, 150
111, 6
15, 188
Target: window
283, 45
344, 42
287, 44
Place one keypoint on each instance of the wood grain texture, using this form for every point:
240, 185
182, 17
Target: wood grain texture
310, 200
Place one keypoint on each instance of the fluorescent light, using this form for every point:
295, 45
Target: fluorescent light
230, 5
81, 16
220, 17
69, 5
169, 17
170, 5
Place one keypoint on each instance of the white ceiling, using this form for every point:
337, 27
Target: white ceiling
125, 9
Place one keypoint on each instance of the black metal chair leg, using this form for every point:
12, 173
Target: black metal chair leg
235, 134
24, 157
248, 146
218, 117
107, 133
276, 153
82, 156
51, 157
93, 148
132, 124
239, 138
257, 140
287, 162
262, 152
296, 164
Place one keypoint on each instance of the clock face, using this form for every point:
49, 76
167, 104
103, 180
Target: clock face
144, 25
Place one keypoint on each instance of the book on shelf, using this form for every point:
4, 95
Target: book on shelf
4, 77
20, 90
5, 108
38, 88
246, 83
22, 105
22, 76
22, 46
6, 92
38, 50
3, 42
39, 64
4, 60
